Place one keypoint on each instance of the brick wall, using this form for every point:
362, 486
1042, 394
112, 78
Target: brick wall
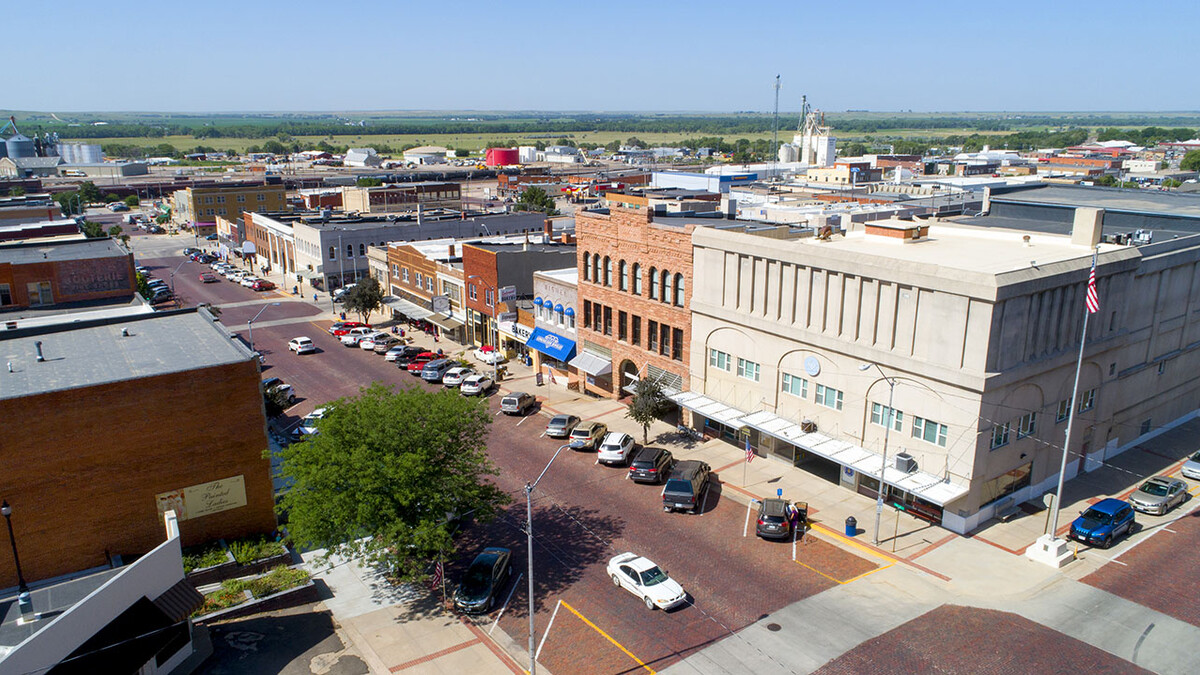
408, 258
632, 236
482, 263
83, 470
72, 280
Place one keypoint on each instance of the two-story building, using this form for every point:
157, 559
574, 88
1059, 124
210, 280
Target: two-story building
198, 207
552, 341
402, 197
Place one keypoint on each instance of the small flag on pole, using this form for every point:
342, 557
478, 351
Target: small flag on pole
1093, 300
437, 576
749, 451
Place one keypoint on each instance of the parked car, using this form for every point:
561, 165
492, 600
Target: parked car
686, 486
301, 345
308, 425
117, 207
161, 295
248, 281
586, 435
355, 335
489, 355
1103, 522
417, 363
384, 343
616, 448
774, 518
157, 284
1191, 468
401, 353
211, 237
436, 369
651, 465
342, 327
208, 278
191, 251
476, 385
368, 341
644, 579
263, 285
517, 403
484, 581
1159, 495
144, 271
275, 384
340, 293
456, 375
560, 426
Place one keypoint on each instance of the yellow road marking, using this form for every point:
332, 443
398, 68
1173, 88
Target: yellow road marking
608, 637
867, 573
839, 581
851, 542
836, 581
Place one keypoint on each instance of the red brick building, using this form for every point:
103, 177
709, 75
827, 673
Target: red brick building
635, 276
44, 273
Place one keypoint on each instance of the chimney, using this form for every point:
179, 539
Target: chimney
40, 356
1089, 223
548, 229
451, 250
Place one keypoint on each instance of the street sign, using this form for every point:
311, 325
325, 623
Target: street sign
508, 293
878, 507
441, 304
778, 492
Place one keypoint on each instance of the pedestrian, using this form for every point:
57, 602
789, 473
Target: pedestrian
314, 297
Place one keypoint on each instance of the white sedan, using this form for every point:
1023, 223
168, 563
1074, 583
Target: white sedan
301, 345
475, 385
644, 579
248, 281
456, 376
368, 342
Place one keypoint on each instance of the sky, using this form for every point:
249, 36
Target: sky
302, 55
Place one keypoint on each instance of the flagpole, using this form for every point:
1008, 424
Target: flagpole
441, 565
1087, 312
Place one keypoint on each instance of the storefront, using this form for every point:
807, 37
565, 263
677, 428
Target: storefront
595, 367
551, 353
452, 325
513, 337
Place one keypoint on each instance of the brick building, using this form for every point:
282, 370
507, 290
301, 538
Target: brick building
635, 275
488, 267
418, 273
198, 207
124, 418
55, 272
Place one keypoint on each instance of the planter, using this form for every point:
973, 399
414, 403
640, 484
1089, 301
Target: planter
232, 570
292, 597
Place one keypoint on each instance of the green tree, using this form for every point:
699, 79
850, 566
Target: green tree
535, 199
88, 192
1171, 183
648, 404
92, 230
635, 142
143, 287
1191, 161
132, 201
368, 182
366, 297
855, 150
387, 475
16, 191
1105, 181
111, 197
612, 146
69, 202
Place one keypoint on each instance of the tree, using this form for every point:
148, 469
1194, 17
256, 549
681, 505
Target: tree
16, 191
132, 201
462, 152
387, 476
364, 298
143, 287
1191, 161
69, 202
1171, 183
648, 404
368, 182
111, 197
1105, 181
535, 199
92, 230
88, 192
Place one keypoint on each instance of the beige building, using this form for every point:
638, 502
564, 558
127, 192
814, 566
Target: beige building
201, 205
978, 329
402, 198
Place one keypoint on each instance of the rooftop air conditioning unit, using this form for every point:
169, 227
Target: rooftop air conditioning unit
808, 427
906, 462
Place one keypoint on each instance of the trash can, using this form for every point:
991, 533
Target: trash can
851, 526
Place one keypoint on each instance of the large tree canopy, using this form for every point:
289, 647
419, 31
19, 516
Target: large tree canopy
387, 474
648, 404
364, 298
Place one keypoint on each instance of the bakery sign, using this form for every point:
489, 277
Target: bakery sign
204, 499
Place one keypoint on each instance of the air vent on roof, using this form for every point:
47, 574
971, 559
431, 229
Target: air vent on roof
906, 462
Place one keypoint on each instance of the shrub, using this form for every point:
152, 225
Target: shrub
199, 557
246, 551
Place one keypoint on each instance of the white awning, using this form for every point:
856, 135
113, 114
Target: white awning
409, 309
448, 322
713, 410
592, 364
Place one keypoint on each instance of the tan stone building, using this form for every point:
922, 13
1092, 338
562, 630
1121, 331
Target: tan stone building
402, 197
978, 329
199, 206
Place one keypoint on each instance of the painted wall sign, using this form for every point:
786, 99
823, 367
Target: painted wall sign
204, 499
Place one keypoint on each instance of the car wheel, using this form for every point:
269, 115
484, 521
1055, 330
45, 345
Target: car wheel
291, 400
649, 603
616, 581
1107, 542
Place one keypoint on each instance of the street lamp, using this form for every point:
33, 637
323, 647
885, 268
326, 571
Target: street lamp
529, 552
889, 420
6, 511
173, 275
250, 324
496, 329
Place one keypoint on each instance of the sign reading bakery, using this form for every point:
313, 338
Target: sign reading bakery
204, 499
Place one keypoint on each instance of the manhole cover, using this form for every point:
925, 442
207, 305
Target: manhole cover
774, 627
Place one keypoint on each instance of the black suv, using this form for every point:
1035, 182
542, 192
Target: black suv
774, 519
406, 358
685, 488
651, 465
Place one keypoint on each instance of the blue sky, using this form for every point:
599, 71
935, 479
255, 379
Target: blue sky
216, 55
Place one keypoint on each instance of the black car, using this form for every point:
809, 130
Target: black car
484, 581
685, 488
651, 465
774, 519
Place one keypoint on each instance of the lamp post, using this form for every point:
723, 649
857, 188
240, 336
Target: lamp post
495, 330
6, 511
173, 275
250, 324
889, 420
529, 553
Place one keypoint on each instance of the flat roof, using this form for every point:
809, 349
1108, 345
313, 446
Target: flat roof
53, 599
92, 353
1176, 204
569, 275
60, 249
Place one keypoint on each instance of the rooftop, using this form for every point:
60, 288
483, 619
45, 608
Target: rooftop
568, 275
49, 601
60, 249
94, 352
1111, 199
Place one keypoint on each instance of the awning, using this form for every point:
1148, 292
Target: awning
552, 345
309, 274
713, 410
592, 364
448, 322
410, 309
514, 330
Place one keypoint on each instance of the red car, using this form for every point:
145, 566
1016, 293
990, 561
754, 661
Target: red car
263, 285
342, 327
209, 278
418, 362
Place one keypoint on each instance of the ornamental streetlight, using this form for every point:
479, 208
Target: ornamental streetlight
888, 419
250, 324
529, 552
6, 511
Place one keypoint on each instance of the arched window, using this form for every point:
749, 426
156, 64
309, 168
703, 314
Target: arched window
332, 253
587, 266
637, 279
653, 284
362, 249
666, 287
349, 250
623, 276
596, 269
679, 297
607, 271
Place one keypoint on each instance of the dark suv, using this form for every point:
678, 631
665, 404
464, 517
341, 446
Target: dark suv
685, 488
651, 465
774, 519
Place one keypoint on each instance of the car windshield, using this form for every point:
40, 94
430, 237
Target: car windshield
1196, 457
773, 519
653, 576
1098, 516
1154, 488
477, 579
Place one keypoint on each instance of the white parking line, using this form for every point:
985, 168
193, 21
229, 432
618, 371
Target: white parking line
1167, 529
538, 653
746, 527
522, 421
510, 594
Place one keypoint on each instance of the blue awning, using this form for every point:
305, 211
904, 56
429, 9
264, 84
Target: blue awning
552, 345
570, 311
537, 301
558, 308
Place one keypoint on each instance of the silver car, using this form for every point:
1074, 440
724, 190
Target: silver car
1158, 495
1191, 468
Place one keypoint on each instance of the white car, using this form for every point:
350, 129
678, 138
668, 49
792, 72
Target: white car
490, 357
616, 448
476, 385
356, 335
394, 353
301, 345
308, 425
644, 579
455, 376
235, 275
248, 281
368, 342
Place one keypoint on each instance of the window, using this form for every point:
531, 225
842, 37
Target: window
653, 284
679, 290
333, 254
429, 284
607, 271
587, 313
560, 316
5, 295
39, 293
637, 279
209, 212
623, 276
664, 342
1145, 428
796, 386
587, 266
1027, 426
420, 279
929, 431
1064, 409
608, 320
652, 335
262, 197
622, 325
241, 199
828, 397
404, 275
208, 200
571, 321
667, 295
1000, 435
595, 269
719, 359
880, 414
220, 199
362, 249
1162, 368
1006, 483
472, 292
1087, 401
677, 344
349, 250
598, 318
747, 369
488, 298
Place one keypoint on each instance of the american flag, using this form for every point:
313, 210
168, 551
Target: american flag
749, 452
437, 576
1093, 300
